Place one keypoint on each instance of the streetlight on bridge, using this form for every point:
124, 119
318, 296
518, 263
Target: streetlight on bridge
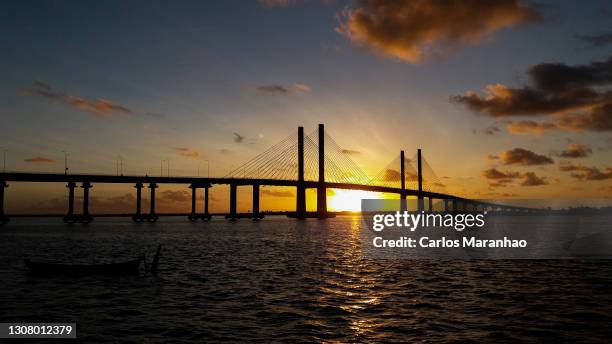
65, 162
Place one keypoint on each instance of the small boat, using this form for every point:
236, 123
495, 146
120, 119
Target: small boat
130, 267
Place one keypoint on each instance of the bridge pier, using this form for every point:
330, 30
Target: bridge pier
206, 215
3, 218
403, 203
256, 214
70, 217
138, 216
86, 216
420, 201
192, 216
152, 217
430, 204
233, 214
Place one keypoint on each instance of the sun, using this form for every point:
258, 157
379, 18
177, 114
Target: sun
348, 200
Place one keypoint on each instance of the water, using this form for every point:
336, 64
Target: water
286, 280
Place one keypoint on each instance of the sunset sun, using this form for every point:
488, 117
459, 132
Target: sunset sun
348, 200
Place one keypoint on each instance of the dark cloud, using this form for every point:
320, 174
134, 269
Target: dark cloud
40, 159
238, 138
597, 40
581, 172
98, 107
576, 150
574, 94
410, 29
281, 89
350, 151
187, 152
529, 127
496, 174
277, 193
521, 156
531, 179
497, 178
490, 130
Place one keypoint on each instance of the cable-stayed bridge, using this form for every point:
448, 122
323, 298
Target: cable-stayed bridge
313, 161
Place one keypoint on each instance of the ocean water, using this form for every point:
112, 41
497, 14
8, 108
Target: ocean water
293, 281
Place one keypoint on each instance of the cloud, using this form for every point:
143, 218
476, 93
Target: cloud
296, 88
238, 138
581, 172
277, 193
40, 159
531, 179
497, 178
98, 107
187, 152
574, 95
576, 150
597, 40
408, 30
529, 127
178, 196
350, 151
521, 156
495, 174
490, 130
492, 157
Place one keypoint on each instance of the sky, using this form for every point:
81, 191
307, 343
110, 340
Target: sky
507, 99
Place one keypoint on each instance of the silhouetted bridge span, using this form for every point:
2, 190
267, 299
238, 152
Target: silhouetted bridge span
300, 162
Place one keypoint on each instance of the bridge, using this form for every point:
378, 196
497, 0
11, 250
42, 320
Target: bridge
313, 161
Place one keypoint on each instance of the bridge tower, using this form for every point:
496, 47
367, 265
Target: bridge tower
3, 218
403, 205
300, 207
321, 189
421, 203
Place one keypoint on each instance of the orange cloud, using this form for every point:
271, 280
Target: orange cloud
98, 107
187, 152
410, 29
576, 150
529, 127
40, 159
